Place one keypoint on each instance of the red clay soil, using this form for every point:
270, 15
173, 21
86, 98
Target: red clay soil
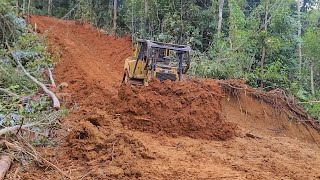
95, 142
271, 113
188, 108
163, 131
90, 63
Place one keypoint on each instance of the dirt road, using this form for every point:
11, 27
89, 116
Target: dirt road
107, 136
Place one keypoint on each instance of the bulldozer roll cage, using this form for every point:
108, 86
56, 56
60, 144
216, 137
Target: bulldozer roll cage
151, 62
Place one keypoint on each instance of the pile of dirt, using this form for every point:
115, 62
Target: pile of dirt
190, 108
96, 142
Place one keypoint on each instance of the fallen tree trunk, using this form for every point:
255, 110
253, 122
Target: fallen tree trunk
9, 145
5, 163
56, 103
13, 128
9, 93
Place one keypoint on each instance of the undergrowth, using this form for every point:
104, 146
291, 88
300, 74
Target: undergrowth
29, 105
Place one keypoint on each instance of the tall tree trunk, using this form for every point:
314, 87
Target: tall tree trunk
181, 22
299, 35
221, 3
231, 24
49, 7
312, 77
263, 52
158, 18
146, 7
17, 6
115, 4
263, 55
132, 21
29, 4
23, 7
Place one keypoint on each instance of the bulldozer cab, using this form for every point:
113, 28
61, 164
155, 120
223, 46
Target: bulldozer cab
158, 60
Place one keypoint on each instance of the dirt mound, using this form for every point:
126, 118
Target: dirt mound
96, 142
176, 108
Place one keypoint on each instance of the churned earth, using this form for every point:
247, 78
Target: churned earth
196, 129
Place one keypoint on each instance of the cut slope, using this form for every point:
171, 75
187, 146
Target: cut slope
267, 113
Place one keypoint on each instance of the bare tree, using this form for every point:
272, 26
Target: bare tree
221, 4
115, 4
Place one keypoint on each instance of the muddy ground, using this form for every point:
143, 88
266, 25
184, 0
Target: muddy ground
184, 130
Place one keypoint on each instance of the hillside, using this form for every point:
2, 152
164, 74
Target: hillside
198, 129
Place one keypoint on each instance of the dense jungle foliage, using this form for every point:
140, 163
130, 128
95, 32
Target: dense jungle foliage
268, 43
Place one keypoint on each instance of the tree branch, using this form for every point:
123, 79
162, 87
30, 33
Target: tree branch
5, 163
9, 93
51, 78
56, 103
10, 145
13, 128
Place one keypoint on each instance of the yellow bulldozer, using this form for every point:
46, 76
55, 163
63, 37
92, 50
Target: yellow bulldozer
156, 60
